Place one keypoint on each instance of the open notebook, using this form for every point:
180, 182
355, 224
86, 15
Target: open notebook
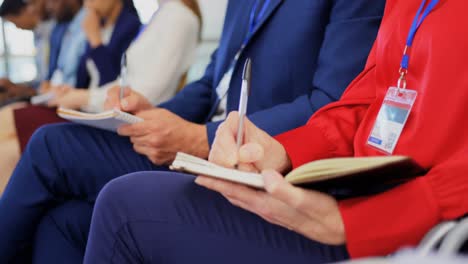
109, 120
321, 174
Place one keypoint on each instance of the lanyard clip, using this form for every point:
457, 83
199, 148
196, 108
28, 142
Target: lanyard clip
402, 80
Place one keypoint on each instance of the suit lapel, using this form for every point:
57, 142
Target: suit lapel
274, 4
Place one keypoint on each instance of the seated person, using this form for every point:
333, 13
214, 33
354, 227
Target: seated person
309, 68
66, 47
109, 27
172, 35
28, 15
153, 217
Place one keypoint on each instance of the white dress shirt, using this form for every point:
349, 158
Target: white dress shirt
159, 57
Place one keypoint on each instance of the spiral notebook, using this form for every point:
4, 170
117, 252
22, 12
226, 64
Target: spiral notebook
109, 120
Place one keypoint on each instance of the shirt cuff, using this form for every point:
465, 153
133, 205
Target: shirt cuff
306, 144
96, 100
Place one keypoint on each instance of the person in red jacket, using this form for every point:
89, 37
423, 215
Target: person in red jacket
410, 100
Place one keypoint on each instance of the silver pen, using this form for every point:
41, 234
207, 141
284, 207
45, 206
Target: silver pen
243, 101
123, 75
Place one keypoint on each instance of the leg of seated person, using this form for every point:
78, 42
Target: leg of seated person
7, 127
10, 154
61, 162
62, 234
162, 217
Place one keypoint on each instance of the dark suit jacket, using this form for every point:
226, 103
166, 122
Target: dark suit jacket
107, 57
304, 52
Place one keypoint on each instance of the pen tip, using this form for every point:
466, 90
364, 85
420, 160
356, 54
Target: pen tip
247, 69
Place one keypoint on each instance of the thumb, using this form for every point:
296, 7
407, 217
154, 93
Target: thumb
272, 179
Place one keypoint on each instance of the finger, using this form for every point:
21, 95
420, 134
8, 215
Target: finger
277, 186
112, 102
224, 150
155, 155
130, 130
257, 202
131, 102
247, 167
144, 150
251, 153
311, 203
153, 114
150, 140
53, 102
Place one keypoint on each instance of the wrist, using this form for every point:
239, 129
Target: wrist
202, 148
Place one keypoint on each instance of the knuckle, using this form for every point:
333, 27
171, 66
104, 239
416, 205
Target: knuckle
266, 212
154, 141
300, 202
232, 115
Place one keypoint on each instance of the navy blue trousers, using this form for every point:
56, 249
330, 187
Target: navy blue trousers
61, 163
62, 234
163, 217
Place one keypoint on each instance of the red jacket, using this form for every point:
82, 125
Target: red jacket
436, 134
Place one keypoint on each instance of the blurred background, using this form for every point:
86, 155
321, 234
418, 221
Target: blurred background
17, 47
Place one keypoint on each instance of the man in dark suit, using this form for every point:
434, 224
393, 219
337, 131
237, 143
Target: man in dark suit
304, 53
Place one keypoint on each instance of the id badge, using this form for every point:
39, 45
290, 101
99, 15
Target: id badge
391, 119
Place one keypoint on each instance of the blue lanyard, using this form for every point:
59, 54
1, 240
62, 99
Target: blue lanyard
417, 22
254, 19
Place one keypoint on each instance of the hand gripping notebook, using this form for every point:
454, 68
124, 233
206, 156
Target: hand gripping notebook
321, 174
109, 120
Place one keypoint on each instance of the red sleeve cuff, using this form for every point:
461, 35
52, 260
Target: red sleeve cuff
380, 225
306, 144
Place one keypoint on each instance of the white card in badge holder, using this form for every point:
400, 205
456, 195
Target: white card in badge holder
391, 119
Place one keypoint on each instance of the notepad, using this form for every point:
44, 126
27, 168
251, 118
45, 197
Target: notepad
109, 120
321, 174
42, 99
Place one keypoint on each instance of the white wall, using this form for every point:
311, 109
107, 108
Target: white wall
213, 15
213, 12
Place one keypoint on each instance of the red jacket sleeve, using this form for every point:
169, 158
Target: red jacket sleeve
380, 225
330, 132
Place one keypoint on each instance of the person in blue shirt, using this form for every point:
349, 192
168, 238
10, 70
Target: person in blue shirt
60, 58
304, 53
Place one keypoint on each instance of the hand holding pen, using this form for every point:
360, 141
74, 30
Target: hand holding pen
122, 97
123, 76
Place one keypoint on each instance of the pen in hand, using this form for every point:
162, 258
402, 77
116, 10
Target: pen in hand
243, 101
123, 76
